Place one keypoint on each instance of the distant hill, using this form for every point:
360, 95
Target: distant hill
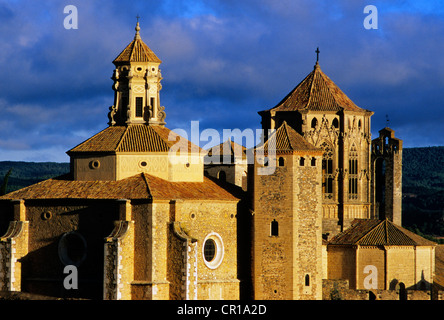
423, 185
423, 190
26, 173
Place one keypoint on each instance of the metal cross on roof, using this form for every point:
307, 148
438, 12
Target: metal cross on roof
137, 17
317, 54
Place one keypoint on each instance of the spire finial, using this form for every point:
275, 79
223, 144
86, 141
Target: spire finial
137, 36
317, 55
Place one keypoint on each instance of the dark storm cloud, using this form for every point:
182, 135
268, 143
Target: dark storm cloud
223, 61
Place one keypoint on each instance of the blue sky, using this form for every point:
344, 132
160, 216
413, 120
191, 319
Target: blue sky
223, 61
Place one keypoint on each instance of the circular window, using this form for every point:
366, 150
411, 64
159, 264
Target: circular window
213, 250
143, 163
72, 248
46, 215
94, 164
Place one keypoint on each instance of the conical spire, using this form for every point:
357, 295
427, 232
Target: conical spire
137, 51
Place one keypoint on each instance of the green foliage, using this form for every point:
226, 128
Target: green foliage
423, 191
4, 186
26, 173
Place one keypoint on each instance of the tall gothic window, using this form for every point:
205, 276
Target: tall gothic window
353, 173
327, 171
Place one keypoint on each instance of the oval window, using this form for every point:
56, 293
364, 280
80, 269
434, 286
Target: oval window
72, 248
209, 250
213, 250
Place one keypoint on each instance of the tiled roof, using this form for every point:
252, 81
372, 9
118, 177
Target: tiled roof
140, 186
286, 139
64, 187
208, 190
137, 51
317, 92
372, 232
228, 148
135, 138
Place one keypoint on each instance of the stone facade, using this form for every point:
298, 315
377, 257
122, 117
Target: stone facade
287, 215
386, 171
409, 265
138, 218
327, 118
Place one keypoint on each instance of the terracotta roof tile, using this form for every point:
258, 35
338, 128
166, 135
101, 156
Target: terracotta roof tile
316, 92
140, 186
64, 187
135, 138
137, 51
206, 190
286, 139
228, 148
371, 232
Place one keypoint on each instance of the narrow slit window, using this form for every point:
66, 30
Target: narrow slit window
281, 162
274, 228
307, 280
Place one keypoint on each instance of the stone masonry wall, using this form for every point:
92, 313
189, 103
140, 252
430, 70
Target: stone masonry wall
308, 196
288, 262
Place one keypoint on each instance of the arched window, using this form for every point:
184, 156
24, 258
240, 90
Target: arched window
380, 185
313, 162
335, 123
327, 170
353, 173
274, 228
314, 123
402, 291
281, 162
302, 161
222, 176
72, 248
307, 280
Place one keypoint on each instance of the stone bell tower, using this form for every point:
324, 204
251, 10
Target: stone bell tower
136, 140
286, 218
386, 160
327, 118
136, 86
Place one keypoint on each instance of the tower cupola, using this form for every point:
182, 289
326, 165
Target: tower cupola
136, 86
